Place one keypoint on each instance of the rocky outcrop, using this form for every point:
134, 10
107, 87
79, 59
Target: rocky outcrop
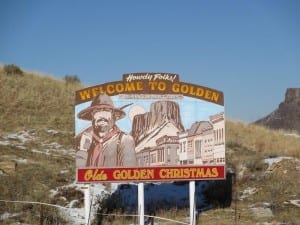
287, 115
150, 125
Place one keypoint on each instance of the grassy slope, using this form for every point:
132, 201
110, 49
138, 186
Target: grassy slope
246, 148
35, 101
38, 102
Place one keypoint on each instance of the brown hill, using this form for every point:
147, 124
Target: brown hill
287, 115
31, 100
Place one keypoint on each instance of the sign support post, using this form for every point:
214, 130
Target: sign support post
192, 203
141, 203
86, 203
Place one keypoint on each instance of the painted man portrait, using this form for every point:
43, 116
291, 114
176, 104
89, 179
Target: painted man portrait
103, 144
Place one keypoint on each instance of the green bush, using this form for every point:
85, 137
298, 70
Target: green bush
12, 69
71, 79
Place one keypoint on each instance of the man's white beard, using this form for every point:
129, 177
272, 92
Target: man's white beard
101, 131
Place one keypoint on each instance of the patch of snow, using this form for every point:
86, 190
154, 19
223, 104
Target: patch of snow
53, 193
7, 215
63, 198
261, 204
270, 223
21, 161
270, 161
248, 192
273, 163
261, 212
22, 136
5, 143
97, 189
53, 145
41, 152
74, 216
21, 147
70, 152
72, 203
293, 135
64, 171
114, 186
51, 131
293, 202
242, 171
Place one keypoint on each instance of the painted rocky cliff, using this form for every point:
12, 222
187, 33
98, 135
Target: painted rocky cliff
163, 119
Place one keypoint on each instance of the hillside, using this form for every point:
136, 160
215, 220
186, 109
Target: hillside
37, 161
34, 101
287, 115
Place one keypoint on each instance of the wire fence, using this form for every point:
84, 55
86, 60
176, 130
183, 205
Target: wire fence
147, 216
42, 217
31, 212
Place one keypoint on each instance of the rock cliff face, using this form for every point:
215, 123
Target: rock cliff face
287, 115
164, 117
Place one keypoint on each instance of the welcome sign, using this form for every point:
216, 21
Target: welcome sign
149, 127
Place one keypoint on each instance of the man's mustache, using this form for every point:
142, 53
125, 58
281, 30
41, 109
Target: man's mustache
102, 120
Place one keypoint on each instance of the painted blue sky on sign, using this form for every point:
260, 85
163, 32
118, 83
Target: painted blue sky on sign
191, 110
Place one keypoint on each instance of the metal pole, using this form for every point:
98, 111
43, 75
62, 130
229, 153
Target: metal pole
86, 203
192, 203
141, 203
41, 214
89, 218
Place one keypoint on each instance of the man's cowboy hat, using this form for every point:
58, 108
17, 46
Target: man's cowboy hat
102, 101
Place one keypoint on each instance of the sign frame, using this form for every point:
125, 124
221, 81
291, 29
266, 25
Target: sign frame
190, 148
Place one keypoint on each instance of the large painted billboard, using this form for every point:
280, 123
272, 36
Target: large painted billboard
149, 127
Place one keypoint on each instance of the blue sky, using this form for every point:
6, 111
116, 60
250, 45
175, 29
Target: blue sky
250, 50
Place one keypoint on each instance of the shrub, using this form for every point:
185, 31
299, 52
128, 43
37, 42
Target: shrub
71, 79
12, 69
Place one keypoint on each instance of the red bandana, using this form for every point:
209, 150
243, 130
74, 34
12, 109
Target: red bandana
97, 158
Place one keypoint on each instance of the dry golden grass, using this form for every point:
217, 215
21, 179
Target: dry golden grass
35, 101
263, 140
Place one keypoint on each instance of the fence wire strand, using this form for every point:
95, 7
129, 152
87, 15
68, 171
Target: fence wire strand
104, 214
